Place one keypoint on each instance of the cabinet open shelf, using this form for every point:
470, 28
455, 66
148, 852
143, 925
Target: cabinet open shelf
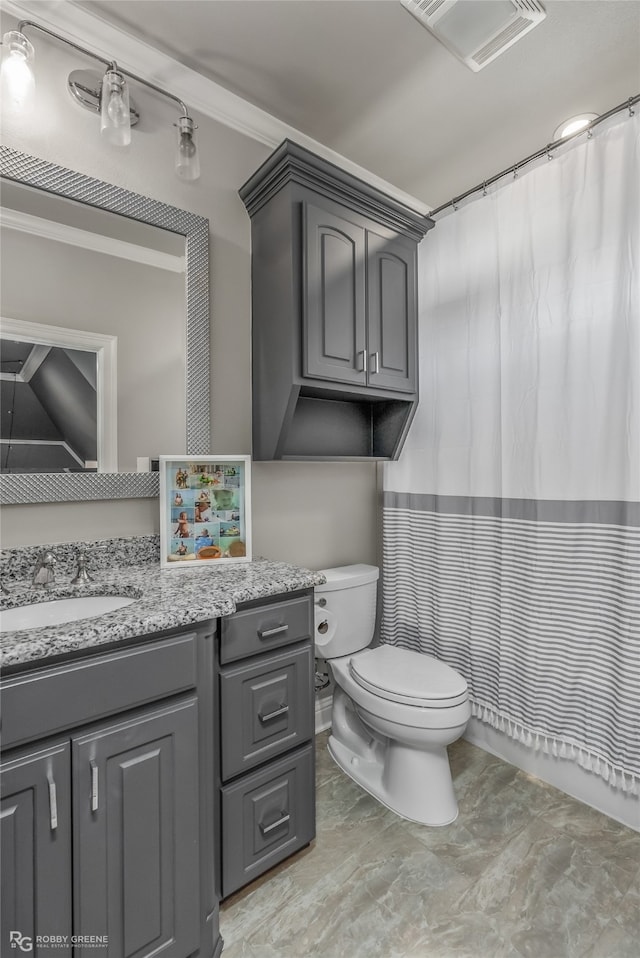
345, 428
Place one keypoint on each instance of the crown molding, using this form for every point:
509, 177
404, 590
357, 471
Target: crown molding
198, 92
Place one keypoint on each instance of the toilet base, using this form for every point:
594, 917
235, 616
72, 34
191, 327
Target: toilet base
414, 784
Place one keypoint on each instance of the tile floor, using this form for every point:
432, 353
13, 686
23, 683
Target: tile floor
525, 872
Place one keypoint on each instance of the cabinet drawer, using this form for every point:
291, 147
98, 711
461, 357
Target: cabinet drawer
252, 631
49, 700
266, 816
267, 708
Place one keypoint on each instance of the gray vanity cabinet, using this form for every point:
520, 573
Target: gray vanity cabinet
334, 307
35, 846
267, 750
109, 801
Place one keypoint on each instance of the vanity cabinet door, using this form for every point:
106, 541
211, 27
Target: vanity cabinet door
35, 840
334, 321
136, 833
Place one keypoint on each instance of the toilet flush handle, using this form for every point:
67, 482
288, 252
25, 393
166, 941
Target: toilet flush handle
323, 627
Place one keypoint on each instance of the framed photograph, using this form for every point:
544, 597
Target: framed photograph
205, 510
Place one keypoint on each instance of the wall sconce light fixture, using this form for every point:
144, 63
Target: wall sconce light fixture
107, 95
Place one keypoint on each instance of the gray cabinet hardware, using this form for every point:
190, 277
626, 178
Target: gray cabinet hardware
362, 356
53, 803
265, 829
272, 633
376, 362
94, 786
276, 714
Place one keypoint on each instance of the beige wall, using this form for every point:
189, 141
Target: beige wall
311, 514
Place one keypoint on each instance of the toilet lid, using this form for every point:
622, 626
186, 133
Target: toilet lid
412, 678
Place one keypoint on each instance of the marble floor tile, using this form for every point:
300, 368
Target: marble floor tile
524, 872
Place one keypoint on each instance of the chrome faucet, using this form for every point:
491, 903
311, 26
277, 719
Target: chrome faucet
44, 574
81, 575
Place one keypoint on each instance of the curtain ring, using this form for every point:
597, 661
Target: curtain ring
549, 153
454, 205
515, 172
631, 110
589, 134
484, 188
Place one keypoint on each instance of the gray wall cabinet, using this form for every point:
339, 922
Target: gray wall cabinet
334, 303
266, 768
109, 803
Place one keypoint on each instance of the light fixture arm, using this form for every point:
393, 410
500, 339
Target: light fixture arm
109, 64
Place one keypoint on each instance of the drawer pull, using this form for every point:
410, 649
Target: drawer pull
271, 633
376, 362
53, 804
271, 715
94, 787
265, 829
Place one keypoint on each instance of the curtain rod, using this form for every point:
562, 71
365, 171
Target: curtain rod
514, 168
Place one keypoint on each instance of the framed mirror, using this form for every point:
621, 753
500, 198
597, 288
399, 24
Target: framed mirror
162, 379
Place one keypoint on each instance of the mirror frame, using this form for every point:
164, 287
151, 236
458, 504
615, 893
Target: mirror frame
25, 488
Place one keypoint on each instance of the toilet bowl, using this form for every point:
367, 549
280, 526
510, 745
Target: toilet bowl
394, 710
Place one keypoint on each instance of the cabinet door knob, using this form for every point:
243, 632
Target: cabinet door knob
271, 633
94, 787
265, 829
53, 804
271, 715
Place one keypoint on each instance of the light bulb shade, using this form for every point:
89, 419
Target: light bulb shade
187, 159
17, 82
115, 120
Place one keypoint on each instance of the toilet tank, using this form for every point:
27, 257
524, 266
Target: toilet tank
345, 610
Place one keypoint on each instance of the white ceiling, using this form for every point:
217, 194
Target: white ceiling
367, 80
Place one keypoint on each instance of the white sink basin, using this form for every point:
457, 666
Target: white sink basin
57, 611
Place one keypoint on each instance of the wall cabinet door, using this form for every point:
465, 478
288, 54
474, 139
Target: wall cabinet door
334, 296
136, 834
392, 313
35, 841
367, 338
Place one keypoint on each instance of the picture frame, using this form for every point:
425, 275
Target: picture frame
205, 511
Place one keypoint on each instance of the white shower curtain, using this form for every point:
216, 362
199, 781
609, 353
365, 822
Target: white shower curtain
512, 519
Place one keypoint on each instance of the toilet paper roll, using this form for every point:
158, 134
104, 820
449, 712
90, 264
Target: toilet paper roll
325, 629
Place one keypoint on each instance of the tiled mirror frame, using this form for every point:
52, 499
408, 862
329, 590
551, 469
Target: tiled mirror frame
72, 487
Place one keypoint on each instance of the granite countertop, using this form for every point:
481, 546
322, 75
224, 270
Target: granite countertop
165, 599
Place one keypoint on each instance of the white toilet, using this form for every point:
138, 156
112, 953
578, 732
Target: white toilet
394, 710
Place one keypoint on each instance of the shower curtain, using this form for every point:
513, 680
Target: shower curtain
511, 522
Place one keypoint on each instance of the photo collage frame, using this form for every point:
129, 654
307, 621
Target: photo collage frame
205, 510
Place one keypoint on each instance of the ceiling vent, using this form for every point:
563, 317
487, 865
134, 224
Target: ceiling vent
477, 31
